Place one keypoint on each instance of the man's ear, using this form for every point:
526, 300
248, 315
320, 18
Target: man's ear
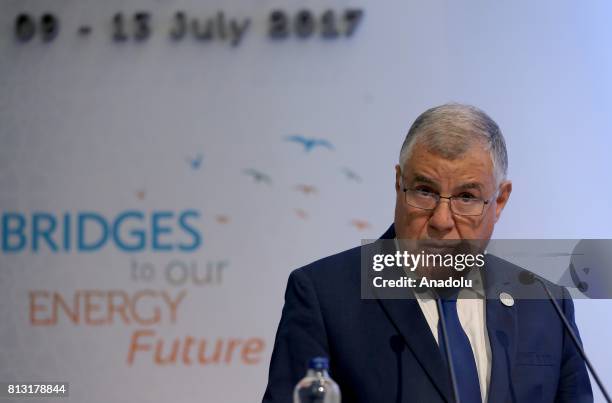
398, 178
502, 198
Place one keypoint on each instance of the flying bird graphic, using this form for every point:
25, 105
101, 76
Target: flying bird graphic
309, 143
306, 189
301, 213
222, 219
360, 224
258, 176
196, 162
351, 175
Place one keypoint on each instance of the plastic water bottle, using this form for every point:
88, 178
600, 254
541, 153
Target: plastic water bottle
317, 386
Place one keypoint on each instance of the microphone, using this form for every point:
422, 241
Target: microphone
449, 360
528, 278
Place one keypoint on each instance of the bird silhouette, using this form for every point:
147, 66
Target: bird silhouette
351, 175
360, 224
258, 176
301, 213
309, 143
222, 219
196, 162
306, 189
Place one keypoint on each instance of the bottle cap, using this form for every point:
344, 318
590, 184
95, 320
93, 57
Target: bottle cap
318, 363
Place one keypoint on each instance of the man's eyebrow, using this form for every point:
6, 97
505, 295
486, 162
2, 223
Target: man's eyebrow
423, 178
466, 186
471, 185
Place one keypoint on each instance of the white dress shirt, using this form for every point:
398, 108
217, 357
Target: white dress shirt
471, 311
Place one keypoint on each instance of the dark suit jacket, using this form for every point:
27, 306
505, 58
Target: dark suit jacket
382, 350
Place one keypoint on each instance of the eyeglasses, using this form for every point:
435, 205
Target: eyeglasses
465, 206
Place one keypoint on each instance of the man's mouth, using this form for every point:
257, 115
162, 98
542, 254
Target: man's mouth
442, 246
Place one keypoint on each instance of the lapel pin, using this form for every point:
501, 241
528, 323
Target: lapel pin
506, 299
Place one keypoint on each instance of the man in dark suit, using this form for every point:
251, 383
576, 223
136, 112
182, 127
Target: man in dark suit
450, 184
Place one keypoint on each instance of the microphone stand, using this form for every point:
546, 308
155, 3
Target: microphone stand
530, 278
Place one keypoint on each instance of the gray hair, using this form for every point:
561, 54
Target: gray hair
450, 129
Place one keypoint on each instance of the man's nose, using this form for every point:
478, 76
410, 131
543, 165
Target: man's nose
442, 220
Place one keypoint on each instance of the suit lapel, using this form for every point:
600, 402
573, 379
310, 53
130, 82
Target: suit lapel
502, 329
407, 317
